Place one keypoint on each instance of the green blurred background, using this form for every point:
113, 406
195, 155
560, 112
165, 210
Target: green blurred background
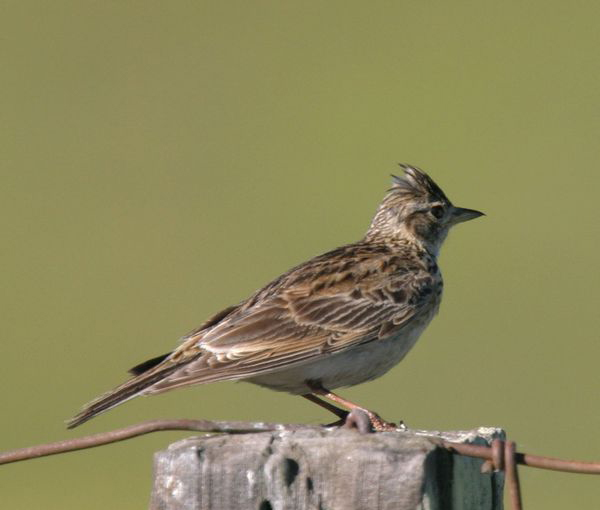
161, 160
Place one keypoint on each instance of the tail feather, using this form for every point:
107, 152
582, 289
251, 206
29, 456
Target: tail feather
147, 365
122, 393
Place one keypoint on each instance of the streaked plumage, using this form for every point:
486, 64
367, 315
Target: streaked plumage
339, 319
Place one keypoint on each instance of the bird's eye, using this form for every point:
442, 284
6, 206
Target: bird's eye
437, 211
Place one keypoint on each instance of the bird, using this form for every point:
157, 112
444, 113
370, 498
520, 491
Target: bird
337, 320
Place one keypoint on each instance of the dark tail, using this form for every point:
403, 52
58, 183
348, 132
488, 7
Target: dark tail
150, 372
147, 365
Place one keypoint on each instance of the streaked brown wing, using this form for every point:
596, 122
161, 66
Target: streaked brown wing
300, 322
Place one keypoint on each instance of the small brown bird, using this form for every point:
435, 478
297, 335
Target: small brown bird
340, 319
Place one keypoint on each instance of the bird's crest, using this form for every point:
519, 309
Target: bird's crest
416, 183
413, 192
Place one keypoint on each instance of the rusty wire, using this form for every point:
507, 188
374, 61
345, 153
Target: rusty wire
139, 429
499, 456
503, 456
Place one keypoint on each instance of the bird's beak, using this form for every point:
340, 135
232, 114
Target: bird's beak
459, 215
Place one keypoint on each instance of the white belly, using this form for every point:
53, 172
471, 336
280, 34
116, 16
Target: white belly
363, 363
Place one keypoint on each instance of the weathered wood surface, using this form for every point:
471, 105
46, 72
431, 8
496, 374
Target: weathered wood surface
324, 469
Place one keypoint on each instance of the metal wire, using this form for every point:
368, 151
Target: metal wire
499, 456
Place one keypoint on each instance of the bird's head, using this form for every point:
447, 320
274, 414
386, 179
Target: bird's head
417, 210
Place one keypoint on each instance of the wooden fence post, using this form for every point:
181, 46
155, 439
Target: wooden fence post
324, 469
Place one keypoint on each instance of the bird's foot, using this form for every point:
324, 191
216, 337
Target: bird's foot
379, 424
358, 416
366, 421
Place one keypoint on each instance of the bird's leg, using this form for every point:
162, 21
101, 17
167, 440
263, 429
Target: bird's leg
340, 413
377, 422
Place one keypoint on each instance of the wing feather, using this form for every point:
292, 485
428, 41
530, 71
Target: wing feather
297, 319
